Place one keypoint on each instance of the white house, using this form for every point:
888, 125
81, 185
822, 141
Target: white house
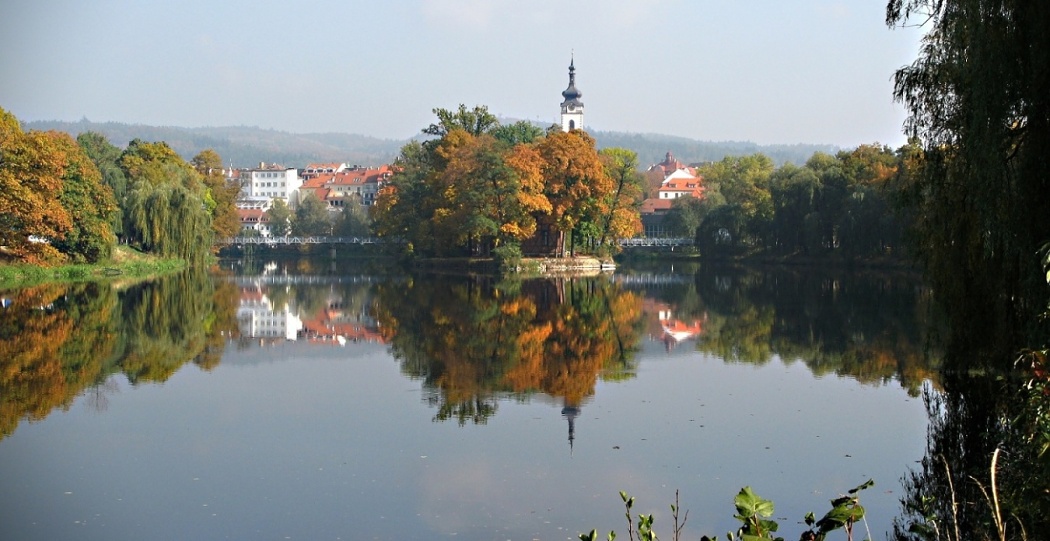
260, 186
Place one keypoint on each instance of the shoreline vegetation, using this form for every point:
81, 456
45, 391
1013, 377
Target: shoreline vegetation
124, 263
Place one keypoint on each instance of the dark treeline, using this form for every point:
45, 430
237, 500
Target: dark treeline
841, 204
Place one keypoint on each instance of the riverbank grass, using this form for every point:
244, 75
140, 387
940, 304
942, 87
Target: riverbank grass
125, 262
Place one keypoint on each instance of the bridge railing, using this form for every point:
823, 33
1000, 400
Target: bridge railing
634, 242
299, 240
653, 241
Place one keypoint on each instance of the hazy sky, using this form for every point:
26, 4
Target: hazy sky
806, 71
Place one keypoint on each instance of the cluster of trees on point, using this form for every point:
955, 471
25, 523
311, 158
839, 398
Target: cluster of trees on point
843, 203
478, 186
71, 201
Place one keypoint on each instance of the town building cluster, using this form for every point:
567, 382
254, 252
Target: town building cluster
339, 185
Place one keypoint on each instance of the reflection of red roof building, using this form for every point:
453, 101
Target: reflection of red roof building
671, 331
679, 331
326, 328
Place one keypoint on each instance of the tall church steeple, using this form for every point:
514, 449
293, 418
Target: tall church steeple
571, 106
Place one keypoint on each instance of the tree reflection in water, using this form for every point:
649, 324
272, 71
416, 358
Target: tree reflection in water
474, 341
58, 340
951, 492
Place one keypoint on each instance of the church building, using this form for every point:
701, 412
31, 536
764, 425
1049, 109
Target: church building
572, 107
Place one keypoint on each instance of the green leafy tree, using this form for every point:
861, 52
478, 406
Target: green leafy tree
520, 132
622, 219
90, 205
353, 219
685, 216
747, 215
165, 210
280, 217
106, 158
475, 121
221, 193
311, 218
796, 192
403, 207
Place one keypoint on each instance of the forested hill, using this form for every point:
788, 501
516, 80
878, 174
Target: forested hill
243, 146
652, 148
246, 146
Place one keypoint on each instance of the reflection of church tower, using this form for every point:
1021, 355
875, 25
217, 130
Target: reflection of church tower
570, 413
572, 107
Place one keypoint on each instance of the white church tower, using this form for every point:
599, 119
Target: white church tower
572, 107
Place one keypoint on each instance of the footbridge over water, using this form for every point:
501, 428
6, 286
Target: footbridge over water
275, 241
637, 242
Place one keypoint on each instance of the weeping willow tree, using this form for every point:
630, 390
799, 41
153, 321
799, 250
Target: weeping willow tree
164, 210
978, 181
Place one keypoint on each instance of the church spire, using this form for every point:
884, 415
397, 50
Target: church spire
572, 94
571, 106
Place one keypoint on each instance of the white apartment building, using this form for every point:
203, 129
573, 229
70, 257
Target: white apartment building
259, 187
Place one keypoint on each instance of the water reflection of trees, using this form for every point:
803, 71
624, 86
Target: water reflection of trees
473, 341
58, 340
951, 489
868, 326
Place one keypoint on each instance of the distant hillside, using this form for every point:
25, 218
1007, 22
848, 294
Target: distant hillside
246, 146
652, 148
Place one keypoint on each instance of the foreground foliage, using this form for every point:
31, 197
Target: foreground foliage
753, 512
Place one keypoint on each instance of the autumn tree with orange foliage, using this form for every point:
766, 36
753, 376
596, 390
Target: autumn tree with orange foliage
53, 205
576, 183
478, 186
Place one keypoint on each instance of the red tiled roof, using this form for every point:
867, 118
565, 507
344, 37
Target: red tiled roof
654, 205
253, 215
317, 181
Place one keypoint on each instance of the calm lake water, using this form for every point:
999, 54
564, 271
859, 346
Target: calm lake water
319, 401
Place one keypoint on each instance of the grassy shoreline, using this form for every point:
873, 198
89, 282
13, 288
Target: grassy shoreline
124, 263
